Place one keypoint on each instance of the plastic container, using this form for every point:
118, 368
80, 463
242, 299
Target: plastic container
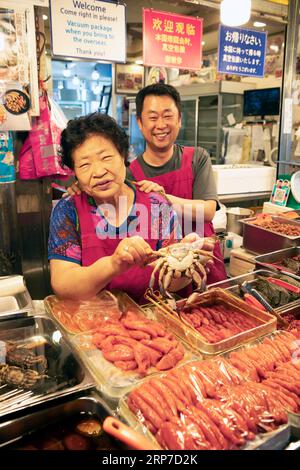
112, 381
216, 296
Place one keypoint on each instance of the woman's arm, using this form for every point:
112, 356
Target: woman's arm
71, 281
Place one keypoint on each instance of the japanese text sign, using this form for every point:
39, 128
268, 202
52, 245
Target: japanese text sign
89, 29
242, 51
172, 40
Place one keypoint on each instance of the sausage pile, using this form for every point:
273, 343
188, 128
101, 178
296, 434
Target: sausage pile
218, 322
221, 404
136, 343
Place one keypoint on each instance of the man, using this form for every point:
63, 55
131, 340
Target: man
184, 174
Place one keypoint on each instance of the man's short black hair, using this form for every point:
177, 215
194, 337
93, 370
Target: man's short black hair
157, 89
79, 129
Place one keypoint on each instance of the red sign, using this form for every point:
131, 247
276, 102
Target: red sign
172, 40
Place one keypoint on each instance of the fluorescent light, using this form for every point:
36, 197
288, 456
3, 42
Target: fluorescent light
259, 24
66, 71
76, 80
235, 13
95, 74
45, 17
139, 62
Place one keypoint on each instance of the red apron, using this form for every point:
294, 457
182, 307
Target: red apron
179, 183
135, 281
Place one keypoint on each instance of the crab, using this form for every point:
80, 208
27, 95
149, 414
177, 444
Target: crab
15, 376
185, 261
23, 357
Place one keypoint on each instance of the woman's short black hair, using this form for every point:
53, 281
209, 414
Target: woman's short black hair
79, 129
157, 89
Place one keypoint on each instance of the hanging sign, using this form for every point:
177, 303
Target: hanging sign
242, 51
89, 29
173, 41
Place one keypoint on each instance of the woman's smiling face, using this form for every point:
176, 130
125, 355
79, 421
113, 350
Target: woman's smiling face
99, 168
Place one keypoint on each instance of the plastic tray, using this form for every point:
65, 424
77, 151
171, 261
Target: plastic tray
233, 286
259, 240
96, 307
213, 296
112, 381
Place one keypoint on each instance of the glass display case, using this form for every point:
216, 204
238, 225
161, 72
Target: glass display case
206, 109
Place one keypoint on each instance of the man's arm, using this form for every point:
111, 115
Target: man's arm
194, 207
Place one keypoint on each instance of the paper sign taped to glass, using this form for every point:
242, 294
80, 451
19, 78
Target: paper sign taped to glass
7, 167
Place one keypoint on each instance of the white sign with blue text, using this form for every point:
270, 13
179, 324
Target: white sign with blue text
242, 51
90, 29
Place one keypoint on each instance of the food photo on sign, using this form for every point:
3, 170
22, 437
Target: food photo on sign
14, 107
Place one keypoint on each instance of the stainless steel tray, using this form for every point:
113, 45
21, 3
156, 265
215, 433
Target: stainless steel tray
233, 285
259, 240
65, 373
13, 431
276, 257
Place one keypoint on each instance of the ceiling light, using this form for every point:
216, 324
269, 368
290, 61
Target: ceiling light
60, 85
274, 48
45, 17
235, 13
259, 24
139, 62
66, 71
95, 74
203, 43
76, 80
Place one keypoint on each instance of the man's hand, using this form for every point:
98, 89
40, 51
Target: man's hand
150, 186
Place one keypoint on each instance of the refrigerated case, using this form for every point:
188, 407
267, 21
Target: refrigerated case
136, 139
206, 109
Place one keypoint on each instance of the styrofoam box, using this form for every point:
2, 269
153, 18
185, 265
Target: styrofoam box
8, 304
236, 179
269, 208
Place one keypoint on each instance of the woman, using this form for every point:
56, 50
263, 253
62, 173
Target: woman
95, 240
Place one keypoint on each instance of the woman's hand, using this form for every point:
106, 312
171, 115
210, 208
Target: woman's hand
131, 251
73, 190
149, 187
191, 238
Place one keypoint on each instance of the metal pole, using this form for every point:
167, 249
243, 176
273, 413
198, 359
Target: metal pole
286, 118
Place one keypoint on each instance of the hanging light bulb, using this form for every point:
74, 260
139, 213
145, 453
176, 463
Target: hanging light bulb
60, 85
95, 74
235, 13
76, 80
67, 71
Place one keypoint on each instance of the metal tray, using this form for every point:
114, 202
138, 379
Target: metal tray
213, 296
276, 257
65, 373
259, 240
112, 381
233, 286
13, 431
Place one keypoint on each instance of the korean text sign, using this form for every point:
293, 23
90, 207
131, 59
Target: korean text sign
242, 51
172, 40
89, 29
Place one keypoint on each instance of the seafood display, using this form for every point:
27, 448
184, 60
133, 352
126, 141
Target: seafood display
188, 261
22, 356
135, 343
293, 264
268, 223
222, 404
77, 317
18, 377
218, 322
275, 294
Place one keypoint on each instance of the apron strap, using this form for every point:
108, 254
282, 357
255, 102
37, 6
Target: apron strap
187, 157
136, 170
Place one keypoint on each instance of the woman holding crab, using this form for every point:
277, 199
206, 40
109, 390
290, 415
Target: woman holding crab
104, 237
